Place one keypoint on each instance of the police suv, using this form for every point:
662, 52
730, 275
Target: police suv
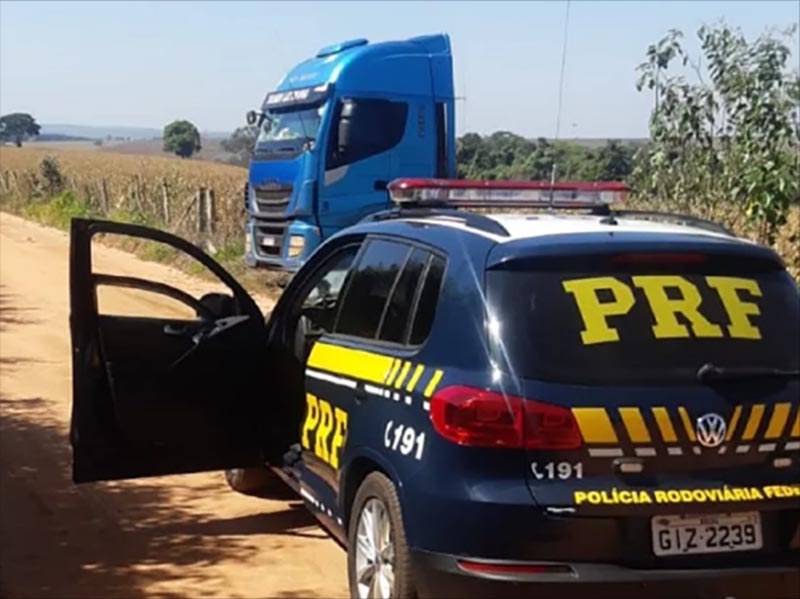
574, 400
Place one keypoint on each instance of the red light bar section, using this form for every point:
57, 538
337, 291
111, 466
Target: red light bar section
466, 193
409, 184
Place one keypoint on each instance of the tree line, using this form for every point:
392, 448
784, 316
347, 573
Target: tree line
506, 155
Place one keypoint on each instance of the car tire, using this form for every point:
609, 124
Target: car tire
376, 502
258, 482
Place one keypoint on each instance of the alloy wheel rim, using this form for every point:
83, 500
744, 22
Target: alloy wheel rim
374, 552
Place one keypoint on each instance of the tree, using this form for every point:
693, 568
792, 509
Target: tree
181, 138
18, 127
241, 143
614, 161
505, 155
730, 135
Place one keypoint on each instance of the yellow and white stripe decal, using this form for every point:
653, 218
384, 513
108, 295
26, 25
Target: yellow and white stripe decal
634, 423
664, 423
780, 416
382, 375
595, 425
354, 363
403, 374
780, 425
756, 414
415, 378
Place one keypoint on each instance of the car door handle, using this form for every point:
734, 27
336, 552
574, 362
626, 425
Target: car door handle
380, 185
175, 330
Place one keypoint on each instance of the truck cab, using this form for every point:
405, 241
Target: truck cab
337, 129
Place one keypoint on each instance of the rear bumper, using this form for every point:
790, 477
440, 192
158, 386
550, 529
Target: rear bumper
439, 575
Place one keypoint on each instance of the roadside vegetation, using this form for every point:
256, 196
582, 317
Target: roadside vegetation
724, 144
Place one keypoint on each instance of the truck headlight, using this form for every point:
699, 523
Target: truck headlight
248, 243
297, 243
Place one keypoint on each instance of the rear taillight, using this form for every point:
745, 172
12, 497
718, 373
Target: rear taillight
481, 418
550, 427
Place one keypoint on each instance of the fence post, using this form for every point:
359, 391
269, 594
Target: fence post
211, 211
165, 201
31, 184
200, 199
103, 196
137, 194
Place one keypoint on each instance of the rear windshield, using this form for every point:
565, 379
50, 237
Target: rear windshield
642, 325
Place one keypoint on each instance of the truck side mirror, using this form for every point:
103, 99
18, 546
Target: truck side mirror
345, 131
252, 117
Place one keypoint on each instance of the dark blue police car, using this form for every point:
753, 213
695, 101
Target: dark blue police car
575, 401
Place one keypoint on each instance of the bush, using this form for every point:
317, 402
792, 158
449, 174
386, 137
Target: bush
731, 137
51, 174
59, 211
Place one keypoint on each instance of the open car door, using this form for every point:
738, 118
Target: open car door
156, 396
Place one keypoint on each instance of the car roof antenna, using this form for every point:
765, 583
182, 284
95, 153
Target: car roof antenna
560, 102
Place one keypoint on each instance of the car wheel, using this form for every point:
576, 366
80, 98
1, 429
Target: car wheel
258, 482
378, 560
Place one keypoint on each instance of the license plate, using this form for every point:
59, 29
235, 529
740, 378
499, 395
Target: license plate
712, 533
268, 242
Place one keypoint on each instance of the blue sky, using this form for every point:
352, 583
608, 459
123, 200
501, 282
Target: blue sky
145, 64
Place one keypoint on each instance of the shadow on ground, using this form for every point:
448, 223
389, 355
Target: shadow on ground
109, 540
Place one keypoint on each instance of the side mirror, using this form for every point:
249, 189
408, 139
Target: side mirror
345, 129
252, 117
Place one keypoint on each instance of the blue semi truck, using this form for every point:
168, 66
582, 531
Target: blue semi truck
337, 129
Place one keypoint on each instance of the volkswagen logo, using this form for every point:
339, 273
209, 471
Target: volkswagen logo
711, 429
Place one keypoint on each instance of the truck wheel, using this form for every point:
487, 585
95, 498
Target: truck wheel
258, 482
378, 560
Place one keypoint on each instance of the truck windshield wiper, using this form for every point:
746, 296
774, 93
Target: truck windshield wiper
708, 373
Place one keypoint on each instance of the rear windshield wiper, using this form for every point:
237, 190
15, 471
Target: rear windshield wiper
708, 373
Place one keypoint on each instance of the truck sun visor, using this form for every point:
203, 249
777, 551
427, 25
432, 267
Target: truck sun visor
306, 96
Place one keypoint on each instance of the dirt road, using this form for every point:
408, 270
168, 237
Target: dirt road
171, 536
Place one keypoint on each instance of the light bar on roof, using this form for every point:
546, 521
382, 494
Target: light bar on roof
506, 194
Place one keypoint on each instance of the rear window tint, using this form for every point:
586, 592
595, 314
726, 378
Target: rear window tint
620, 327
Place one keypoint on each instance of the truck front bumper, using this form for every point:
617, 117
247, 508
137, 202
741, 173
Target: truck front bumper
279, 245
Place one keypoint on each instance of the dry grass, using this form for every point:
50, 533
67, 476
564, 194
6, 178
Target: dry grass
134, 183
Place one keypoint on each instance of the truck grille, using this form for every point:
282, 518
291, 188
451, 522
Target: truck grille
272, 200
268, 237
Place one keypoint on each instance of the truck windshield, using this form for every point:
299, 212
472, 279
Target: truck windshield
289, 131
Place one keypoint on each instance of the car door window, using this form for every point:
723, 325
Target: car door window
146, 290
428, 299
398, 312
372, 283
321, 301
